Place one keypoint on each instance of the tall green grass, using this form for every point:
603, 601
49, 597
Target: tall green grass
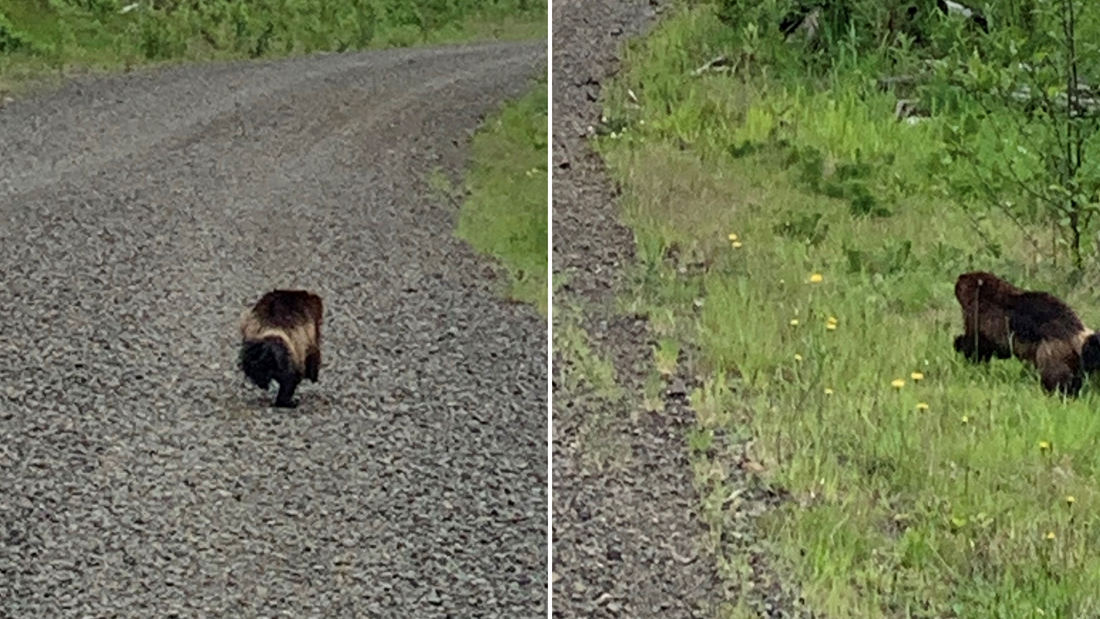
504, 215
42, 36
922, 486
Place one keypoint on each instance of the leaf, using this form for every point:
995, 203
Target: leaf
970, 125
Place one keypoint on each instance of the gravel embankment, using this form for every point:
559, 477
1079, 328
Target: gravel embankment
628, 540
139, 475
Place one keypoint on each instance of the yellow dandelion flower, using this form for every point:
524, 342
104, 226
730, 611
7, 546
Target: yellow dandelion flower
816, 278
965, 419
831, 326
733, 237
1070, 500
794, 322
897, 383
922, 406
1050, 534
736, 244
828, 391
1044, 446
831, 320
916, 376
798, 357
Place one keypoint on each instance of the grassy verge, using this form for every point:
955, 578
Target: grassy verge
504, 214
42, 39
800, 238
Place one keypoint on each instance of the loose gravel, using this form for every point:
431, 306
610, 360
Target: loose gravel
628, 540
139, 475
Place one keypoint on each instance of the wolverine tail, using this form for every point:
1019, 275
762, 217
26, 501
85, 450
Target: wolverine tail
265, 360
1090, 353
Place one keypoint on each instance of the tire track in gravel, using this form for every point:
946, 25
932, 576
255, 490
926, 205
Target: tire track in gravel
627, 534
139, 475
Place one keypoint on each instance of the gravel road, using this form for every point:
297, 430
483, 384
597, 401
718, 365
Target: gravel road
628, 540
626, 536
139, 475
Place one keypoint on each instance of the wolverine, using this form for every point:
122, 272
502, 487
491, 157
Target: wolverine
281, 341
1002, 321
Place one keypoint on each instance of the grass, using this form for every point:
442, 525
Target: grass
41, 40
505, 212
956, 491
590, 387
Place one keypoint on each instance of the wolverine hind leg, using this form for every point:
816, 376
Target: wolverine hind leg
313, 365
287, 386
1061, 378
1059, 369
979, 349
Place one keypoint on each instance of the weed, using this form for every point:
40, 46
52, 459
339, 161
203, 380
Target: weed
588, 382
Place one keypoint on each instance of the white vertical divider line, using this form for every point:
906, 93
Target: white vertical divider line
549, 309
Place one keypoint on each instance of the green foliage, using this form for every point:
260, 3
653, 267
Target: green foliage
10, 40
936, 498
157, 39
1027, 127
504, 215
98, 33
41, 37
1009, 143
806, 227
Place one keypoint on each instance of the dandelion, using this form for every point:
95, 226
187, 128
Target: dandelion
733, 237
831, 320
1050, 535
897, 383
816, 278
798, 357
916, 376
1044, 446
1070, 500
965, 419
828, 391
922, 406
736, 244
831, 326
794, 322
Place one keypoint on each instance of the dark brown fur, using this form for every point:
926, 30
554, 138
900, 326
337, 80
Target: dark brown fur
1002, 321
281, 341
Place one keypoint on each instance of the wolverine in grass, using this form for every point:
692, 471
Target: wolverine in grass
282, 341
1002, 320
